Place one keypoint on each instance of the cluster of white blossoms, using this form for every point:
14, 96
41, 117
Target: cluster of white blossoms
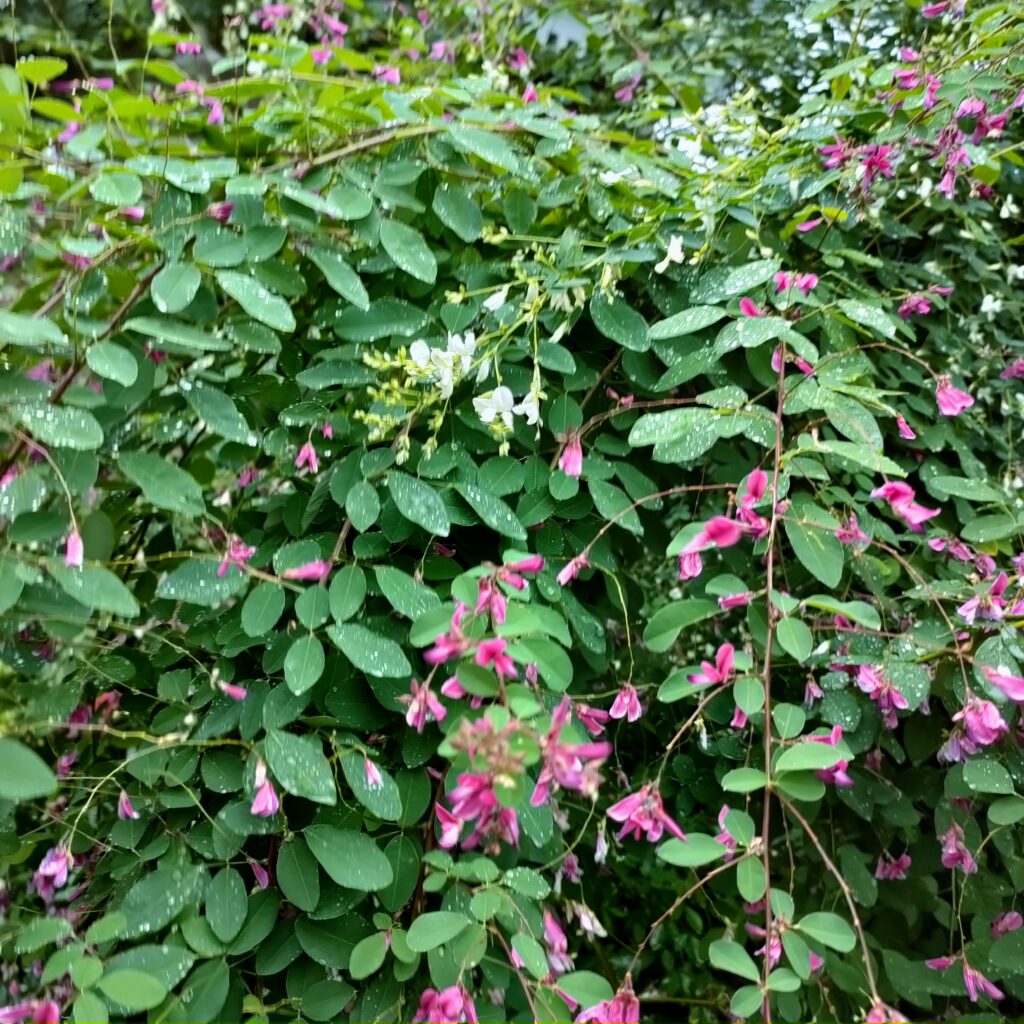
500, 406
445, 366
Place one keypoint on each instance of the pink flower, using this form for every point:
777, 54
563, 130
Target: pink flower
259, 872
441, 49
756, 486
627, 704
1012, 686
643, 812
623, 1009
42, 371
722, 669
238, 554
690, 565
320, 57
318, 571
216, 108
451, 827
451, 1005
387, 74
52, 873
851, 533
914, 305
982, 722
188, 47
492, 652
719, 531
837, 774
572, 569
423, 706
954, 853
571, 460
518, 59
529, 94
1005, 923
627, 92
473, 799
101, 84
735, 600
232, 691
940, 963
220, 211
906, 432
893, 869
74, 550
248, 476
557, 943
875, 159
135, 213
1014, 371
592, 719
805, 283
837, 153
71, 129
530, 564
900, 497
750, 308
878, 686
189, 86
374, 779
880, 1013
976, 983
451, 644
809, 225
307, 459
950, 400
125, 810
723, 836
739, 718
65, 763
990, 605
265, 804
270, 15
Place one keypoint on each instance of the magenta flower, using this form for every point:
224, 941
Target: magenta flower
627, 704
518, 59
805, 283
557, 944
529, 94
442, 50
71, 129
423, 706
374, 779
592, 719
259, 872
809, 225
216, 108
837, 774
190, 85
271, 14
233, 691
65, 763
451, 827
473, 799
851, 533
318, 570
940, 963
74, 550
42, 371
1014, 371
451, 1005
950, 400
982, 722
627, 92
530, 564
306, 459
101, 84
571, 460
572, 569
320, 57
906, 432
954, 853
740, 600
125, 810
265, 804
750, 308
900, 497
220, 211
879, 687
722, 669
238, 554
135, 213
723, 836
893, 869
492, 652
451, 644
880, 1013
623, 1009
1012, 686
387, 74
52, 873
756, 486
915, 305
838, 153
719, 531
990, 606
875, 160
977, 984
189, 48
248, 476
643, 813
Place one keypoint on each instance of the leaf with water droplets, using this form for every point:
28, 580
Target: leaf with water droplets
29, 331
257, 300
419, 503
112, 362
298, 763
370, 652
410, 252
869, 315
61, 426
687, 322
492, 510
304, 664
218, 411
163, 484
340, 276
406, 595
380, 796
351, 858
175, 334
620, 322
456, 209
157, 898
96, 587
197, 582
689, 432
175, 286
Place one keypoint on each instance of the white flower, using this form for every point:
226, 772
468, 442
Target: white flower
463, 346
990, 306
443, 364
529, 407
497, 299
419, 353
498, 402
674, 254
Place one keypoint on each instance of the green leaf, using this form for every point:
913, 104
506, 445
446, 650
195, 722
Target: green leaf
112, 362
257, 300
984, 775
132, 989
553, 664
409, 251
829, 929
362, 506
744, 780
751, 880
856, 611
163, 484
748, 694
406, 595
532, 954
340, 276
1006, 811
177, 335
39, 70
695, 427
695, 850
43, 931
24, 775
298, 874
789, 720
368, 956
90, 1009
808, 756
869, 315
732, 957
795, 638
430, 930
116, 187
175, 287
419, 503
347, 592
614, 504
370, 652
962, 487
456, 209
197, 581
492, 510
661, 632
203, 994
262, 609
304, 664
586, 987
95, 587
61, 426
687, 322
352, 859
484, 144
816, 547
30, 331
158, 898
745, 1001
619, 322
218, 411
986, 529
226, 904
298, 763
382, 798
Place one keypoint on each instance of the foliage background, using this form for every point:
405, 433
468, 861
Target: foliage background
164, 367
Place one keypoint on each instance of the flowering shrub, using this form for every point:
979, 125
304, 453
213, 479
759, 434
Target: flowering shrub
463, 561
